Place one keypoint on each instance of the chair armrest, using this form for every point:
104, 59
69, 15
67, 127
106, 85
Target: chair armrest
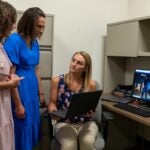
47, 118
106, 118
107, 115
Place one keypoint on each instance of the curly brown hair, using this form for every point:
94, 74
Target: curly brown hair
7, 18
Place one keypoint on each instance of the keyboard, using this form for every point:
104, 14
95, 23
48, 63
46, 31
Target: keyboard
113, 98
145, 112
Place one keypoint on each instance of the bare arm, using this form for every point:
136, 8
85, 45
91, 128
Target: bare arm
41, 94
92, 85
53, 94
19, 109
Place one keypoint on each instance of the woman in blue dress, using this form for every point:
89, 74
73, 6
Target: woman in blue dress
23, 50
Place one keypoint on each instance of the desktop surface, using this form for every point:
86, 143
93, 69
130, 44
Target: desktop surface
136, 109
126, 125
140, 119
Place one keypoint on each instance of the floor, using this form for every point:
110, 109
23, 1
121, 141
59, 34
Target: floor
141, 144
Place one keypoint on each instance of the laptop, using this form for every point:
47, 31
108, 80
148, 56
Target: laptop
80, 104
113, 98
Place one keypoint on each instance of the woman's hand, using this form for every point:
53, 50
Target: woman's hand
14, 80
20, 111
43, 103
90, 114
52, 108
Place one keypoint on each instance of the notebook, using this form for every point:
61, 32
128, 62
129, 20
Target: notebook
113, 98
80, 104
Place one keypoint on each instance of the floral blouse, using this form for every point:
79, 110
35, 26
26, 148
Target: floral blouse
64, 99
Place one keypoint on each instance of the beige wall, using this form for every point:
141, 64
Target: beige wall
79, 25
138, 8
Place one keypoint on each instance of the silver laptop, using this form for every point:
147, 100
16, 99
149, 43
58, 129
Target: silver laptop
80, 104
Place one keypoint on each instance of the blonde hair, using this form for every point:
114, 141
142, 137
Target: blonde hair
86, 74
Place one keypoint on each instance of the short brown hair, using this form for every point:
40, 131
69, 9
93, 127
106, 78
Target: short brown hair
27, 22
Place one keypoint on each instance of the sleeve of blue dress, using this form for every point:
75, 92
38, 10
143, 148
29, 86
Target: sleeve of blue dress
11, 46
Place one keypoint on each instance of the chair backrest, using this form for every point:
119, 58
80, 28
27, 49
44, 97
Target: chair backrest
100, 142
98, 112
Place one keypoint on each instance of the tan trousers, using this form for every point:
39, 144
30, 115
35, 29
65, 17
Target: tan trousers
74, 136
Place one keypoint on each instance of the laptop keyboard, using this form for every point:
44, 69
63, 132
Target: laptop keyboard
145, 112
59, 113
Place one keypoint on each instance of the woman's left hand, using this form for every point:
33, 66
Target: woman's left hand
90, 114
20, 111
43, 103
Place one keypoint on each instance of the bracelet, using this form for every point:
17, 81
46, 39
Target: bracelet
41, 93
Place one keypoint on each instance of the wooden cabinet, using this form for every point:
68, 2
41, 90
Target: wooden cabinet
47, 37
127, 48
129, 38
46, 54
119, 43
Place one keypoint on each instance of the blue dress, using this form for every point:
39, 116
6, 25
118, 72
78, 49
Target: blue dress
25, 59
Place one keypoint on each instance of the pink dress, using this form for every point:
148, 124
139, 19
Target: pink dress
6, 121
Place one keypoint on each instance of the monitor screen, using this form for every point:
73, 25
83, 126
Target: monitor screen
141, 85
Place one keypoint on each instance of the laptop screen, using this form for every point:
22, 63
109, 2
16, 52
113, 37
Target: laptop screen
141, 85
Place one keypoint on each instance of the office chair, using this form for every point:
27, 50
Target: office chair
100, 142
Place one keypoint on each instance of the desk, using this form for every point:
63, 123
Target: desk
125, 127
142, 120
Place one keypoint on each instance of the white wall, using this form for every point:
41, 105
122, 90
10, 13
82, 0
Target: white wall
138, 8
79, 25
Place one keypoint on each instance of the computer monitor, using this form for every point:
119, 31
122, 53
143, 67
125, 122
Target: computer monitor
141, 85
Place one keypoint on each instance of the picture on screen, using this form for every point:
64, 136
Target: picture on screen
141, 85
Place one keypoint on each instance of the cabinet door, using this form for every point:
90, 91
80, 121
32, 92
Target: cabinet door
122, 39
46, 39
45, 63
19, 14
